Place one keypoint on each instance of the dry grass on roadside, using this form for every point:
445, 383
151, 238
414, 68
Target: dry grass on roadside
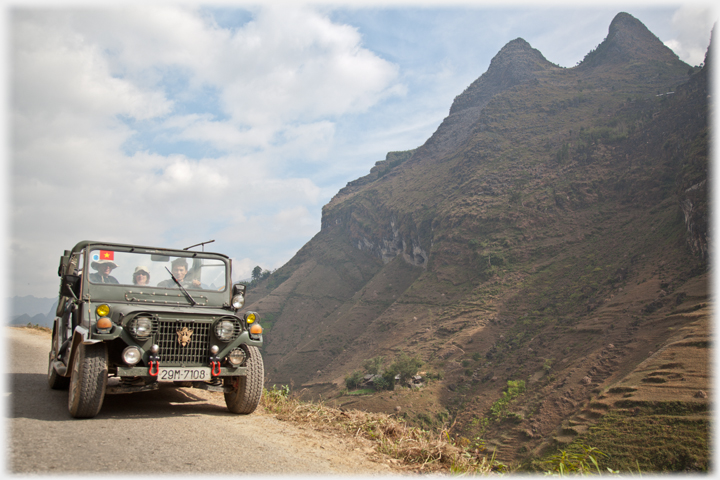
416, 449
38, 328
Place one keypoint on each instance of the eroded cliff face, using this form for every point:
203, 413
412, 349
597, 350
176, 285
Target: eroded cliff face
554, 211
377, 227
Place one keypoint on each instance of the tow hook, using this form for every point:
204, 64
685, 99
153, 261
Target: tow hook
214, 361
154, 361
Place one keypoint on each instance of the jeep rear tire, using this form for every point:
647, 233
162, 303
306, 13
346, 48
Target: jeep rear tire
88, 380
247, 390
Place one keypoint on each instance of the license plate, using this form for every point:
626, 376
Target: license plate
184, 374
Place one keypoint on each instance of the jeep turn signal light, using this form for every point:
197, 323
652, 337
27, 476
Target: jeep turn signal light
104, 323
256, 329
102, 310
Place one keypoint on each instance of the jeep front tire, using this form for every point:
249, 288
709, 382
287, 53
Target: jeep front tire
247, 391
88, 380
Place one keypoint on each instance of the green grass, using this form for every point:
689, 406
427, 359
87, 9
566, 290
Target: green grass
651, 440
362, 391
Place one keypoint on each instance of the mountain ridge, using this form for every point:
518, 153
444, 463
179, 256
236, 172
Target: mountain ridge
554, 212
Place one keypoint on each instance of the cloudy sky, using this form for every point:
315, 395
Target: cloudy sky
176, 123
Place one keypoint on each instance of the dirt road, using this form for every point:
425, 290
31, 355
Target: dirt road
170, 431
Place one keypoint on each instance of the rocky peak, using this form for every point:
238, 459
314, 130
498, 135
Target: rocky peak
628, 41
517, 62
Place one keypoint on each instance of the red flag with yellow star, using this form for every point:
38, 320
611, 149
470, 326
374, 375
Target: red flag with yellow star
107, 255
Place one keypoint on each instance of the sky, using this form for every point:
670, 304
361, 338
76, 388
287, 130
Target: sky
173, 123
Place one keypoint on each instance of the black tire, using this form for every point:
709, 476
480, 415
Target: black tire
55, 381
247, 390
88, 380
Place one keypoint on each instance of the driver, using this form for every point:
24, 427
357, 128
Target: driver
103, 267
179, 270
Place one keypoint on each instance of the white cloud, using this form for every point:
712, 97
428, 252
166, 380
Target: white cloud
692, 25
242, 268
56, 70
82, 77
293, 64
287, 65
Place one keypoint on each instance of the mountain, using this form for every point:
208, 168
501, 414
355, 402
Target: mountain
545, 246
36, 310
25, 319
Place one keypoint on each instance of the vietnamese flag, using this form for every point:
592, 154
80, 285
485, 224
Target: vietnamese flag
107, 255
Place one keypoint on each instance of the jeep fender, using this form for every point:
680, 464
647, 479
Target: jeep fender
80, 335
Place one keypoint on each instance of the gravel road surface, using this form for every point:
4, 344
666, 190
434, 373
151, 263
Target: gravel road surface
168, 431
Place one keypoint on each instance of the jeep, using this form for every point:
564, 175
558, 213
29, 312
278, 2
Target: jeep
130, 318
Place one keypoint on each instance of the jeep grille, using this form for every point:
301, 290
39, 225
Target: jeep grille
195, 352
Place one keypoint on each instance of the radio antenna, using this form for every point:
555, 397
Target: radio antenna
198, 244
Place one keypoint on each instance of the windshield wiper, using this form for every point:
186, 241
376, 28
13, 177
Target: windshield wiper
192, 300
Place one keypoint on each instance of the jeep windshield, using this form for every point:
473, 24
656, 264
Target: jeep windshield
136, 272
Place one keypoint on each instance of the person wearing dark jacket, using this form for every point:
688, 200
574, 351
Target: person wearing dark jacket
103, 267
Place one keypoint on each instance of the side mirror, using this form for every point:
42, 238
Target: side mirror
64, 261
70, 286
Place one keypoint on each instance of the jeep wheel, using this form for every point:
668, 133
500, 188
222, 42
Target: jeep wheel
247, 390
56, 382
88, 380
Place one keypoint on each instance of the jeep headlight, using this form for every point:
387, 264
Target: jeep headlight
238, 301
224, 330
236, 357
131, 355
141, 327
102, 310
228, 328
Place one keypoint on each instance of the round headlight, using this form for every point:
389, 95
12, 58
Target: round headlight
250, 317
238, 301
236, 357
141, 327
103, 310
224, 330
131, 355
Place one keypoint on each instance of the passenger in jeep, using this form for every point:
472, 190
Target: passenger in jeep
103, 267
179, 270
141, 276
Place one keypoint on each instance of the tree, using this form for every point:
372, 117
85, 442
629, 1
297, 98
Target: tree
374, 365
354, 380
405, 366
257, 271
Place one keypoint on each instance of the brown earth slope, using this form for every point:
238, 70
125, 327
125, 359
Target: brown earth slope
553, 231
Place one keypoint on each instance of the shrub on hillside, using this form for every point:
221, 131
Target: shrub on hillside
374, 366
354, 379
405, 366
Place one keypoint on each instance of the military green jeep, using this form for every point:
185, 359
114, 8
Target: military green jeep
130, 318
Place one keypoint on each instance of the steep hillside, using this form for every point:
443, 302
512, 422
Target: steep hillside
552, 232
